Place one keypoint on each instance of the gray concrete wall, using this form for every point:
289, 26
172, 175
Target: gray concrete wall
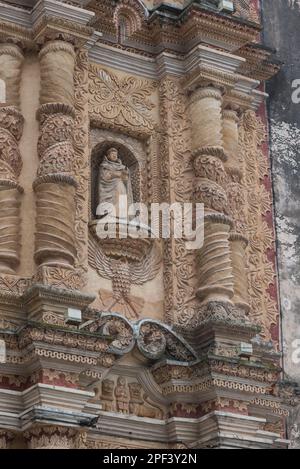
281, 21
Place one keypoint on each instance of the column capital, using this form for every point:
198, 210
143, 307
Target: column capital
206, 91
51, 437
231, 112
10, 48
6, 436
57, 45
54, 20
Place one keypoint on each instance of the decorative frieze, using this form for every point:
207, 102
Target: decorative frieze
6, 437
51, 437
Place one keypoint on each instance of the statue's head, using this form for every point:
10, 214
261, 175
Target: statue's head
113, 154
107, 387
121, 381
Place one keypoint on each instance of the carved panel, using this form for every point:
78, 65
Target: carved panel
118, 394
120, 103
177, 186
261, 237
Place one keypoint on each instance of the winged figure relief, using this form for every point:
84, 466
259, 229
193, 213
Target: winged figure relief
123, 274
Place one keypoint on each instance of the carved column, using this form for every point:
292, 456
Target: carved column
55, 185
214, 262
236, 204
11, 128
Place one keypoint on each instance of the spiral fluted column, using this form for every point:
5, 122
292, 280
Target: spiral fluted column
55, 185
214, 261
11, 128
236, 205
238, 245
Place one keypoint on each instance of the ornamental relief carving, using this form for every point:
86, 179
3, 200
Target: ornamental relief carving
121, 102
177, 178
118, 394
126, 270
261, 273
128, 261
63, 149
11, 128
81, 166
152, 338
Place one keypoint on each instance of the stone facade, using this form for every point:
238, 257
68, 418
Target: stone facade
173, 346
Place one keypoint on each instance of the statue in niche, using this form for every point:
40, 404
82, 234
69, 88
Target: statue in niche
114, 180
122, 396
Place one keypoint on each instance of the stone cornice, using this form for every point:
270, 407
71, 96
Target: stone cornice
219, 67
47, 18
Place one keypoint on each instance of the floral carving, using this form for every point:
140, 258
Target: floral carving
121, 102
177, 186
211, 195
55, 142
60, 277
11, 127
152, 338
51, 437
81, 158
10, 284
210, 167
118, 329
261, 272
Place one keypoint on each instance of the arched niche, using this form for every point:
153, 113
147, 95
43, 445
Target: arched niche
128, 159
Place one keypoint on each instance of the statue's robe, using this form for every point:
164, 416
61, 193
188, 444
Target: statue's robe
111, 184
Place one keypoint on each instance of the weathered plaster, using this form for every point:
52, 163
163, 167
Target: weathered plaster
281, 20
281, 31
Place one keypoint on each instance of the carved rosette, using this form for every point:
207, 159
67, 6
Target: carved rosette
55, 185
11, 128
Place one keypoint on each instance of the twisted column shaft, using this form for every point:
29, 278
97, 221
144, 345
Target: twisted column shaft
11, 128
214, 262
236, 205
55, 185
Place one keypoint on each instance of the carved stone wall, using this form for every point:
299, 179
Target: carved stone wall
166, 346
261, 274
177, 183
